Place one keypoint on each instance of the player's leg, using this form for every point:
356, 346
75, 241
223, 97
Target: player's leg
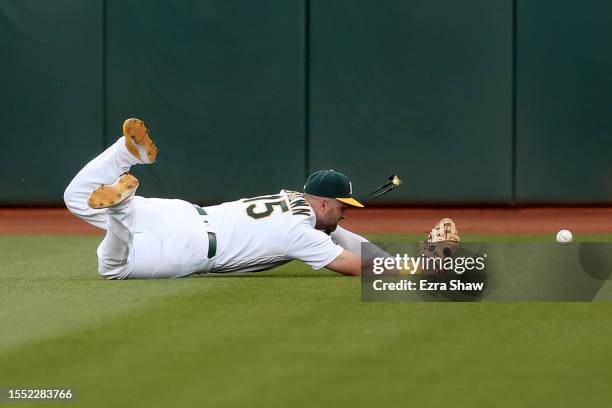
151, 238
134, 147
117, 252
128, 252
114, 252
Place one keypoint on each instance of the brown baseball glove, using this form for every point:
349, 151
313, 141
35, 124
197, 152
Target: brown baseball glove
441, 243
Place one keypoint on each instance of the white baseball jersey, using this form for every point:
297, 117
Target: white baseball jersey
263, 232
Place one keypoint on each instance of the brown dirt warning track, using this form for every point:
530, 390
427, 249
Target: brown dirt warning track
531, 220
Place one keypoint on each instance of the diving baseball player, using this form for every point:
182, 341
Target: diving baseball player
165, 238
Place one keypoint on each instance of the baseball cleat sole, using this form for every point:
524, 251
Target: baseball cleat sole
113, 194
138, 142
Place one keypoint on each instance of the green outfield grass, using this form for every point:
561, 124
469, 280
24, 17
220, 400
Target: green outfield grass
290, 337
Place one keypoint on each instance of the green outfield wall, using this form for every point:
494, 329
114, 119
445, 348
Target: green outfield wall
50, 95
564, 101
422, 88
221, 85
474, 102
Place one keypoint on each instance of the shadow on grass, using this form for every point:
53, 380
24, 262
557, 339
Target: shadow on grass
256, 275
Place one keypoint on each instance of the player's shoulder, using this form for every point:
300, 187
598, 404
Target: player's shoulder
298, 204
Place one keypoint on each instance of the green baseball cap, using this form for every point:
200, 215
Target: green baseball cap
331, 184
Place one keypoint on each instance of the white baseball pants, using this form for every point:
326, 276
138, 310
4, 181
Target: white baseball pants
145, 237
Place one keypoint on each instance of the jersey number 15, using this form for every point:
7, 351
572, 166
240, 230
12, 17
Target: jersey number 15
264, 206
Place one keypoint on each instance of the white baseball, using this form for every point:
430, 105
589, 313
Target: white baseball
564, 237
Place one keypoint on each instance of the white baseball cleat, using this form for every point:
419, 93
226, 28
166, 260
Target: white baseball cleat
138, 142
110, 195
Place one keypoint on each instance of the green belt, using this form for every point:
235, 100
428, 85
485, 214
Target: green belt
212, 237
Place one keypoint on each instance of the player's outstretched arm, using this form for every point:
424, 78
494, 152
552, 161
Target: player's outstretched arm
347, 263
348, 240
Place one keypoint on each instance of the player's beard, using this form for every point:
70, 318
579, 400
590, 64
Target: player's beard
331, 229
